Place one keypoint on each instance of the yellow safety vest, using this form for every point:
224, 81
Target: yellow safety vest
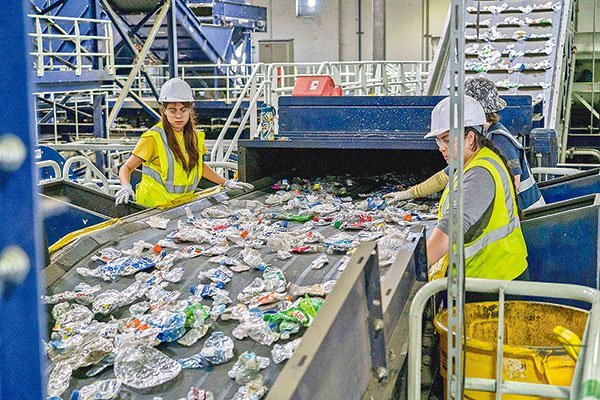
171, 182
499, 252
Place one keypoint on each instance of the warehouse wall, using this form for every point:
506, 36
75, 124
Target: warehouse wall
332, 34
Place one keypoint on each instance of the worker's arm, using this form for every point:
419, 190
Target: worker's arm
126, 192
127, 169
432, 185
437, 245
517, 182
211, 175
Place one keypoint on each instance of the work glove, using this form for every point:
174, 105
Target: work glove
395, 197
233, 184
123, 195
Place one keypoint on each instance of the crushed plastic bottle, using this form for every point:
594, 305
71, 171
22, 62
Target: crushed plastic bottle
282, 352
195, 361
82, 293
59, 379
257, 329
218, 348
219, 276
274, 280
247, 367
99, 390
253, 390
143, 367
319, 262
196, 393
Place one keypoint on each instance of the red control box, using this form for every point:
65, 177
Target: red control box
316, 85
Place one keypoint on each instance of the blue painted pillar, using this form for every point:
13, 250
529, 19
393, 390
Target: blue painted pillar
172, 40
100, 129
21, 317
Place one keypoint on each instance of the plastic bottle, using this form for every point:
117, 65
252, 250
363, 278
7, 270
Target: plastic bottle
245, 368
100, 390
218, 348
144, 367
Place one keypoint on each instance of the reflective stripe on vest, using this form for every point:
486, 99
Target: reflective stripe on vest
529, 194
526, 184
502, 232
169, 186
173, 189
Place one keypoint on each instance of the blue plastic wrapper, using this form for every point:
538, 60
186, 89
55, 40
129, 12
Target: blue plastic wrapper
119, 267
171, 328
205, 291
195, 361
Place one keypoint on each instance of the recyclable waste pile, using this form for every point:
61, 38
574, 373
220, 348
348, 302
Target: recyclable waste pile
98, 327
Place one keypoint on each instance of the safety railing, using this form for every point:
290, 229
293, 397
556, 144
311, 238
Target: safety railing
72, 44
355, 78
587, 370
66, 113
222, 82
50, 164
92, 175
258, 75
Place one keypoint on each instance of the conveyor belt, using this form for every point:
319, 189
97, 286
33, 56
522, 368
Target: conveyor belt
135, 6
540, 84
295, 269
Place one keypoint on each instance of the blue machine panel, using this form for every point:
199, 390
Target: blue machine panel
20, 315
571, 186
562, 242
70, 219
376, 122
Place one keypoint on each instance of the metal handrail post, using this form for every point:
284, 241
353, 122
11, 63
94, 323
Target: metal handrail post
78, 64
218, 143
240, 128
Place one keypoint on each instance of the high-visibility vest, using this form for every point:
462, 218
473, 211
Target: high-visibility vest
499, 252
170, 182
528, 194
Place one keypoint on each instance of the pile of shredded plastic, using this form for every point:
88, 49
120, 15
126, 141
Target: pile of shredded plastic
270, 310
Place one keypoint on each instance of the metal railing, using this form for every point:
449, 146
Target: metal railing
66, 112
268, 82
207, 81
587, 369
87, 46
355, 78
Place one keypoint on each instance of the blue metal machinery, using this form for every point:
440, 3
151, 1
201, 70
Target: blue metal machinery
21, 318
350, 125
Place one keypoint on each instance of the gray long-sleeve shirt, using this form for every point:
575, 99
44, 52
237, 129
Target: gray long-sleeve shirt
478, 196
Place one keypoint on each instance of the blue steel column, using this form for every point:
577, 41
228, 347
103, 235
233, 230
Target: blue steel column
172, 40
100, 130
21, 317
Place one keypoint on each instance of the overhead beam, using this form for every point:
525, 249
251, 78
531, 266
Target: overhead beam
139, 63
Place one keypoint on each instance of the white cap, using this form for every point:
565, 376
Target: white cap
176, 90
474, 116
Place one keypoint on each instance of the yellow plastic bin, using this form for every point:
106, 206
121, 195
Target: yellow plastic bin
531, 351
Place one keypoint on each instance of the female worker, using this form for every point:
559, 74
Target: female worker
170, 154
484, 91
494, 244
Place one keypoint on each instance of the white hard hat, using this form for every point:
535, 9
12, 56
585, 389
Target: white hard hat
474, 116
176, 90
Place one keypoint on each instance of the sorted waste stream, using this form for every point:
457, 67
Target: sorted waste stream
216, 304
